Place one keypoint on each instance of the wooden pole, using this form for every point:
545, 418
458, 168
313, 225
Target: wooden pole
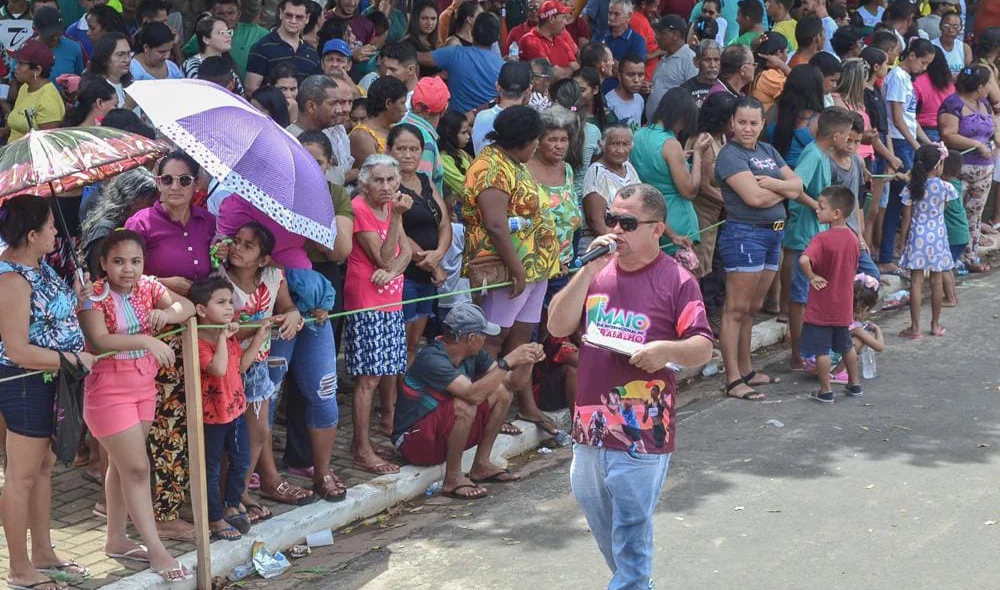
196, 454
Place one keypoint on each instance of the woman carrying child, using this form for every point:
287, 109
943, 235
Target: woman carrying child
123, 315
925, 235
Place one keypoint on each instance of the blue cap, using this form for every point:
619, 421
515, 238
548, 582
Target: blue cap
337, 45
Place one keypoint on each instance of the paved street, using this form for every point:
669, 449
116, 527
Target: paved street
893, 490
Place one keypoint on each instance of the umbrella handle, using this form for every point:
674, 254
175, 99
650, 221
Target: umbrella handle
65, 229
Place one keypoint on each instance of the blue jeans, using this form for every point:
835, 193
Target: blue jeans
618, 492
894, 209
312, 359
867, 266
231, 440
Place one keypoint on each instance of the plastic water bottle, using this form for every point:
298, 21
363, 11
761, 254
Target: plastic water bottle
433, 488
517, 224
514, 52
868, 365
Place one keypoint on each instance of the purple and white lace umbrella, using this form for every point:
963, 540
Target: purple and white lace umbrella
245, 150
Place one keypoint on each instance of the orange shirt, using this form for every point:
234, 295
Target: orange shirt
640, 24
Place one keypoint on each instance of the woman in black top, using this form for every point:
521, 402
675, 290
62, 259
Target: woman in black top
427, 228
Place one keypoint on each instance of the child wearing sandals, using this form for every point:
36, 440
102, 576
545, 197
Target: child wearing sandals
863, 331
958, 226
830, 262
222, 363
258, 291
925, 234
125, 311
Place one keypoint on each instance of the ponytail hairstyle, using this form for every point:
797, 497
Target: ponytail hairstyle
92, 88
925, 160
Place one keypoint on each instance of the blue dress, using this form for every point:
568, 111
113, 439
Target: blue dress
927, 243
53, 323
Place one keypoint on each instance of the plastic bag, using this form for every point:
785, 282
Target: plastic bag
68, 414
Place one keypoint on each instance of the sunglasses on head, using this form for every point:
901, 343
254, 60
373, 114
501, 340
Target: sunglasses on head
627, 222
184, 180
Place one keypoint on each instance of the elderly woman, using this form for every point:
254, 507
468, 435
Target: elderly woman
499, 191
429, 231
966, 122
659, 158
375, 340
609, 174
178, 236
39, 331
755, 183
555, 177
111, 59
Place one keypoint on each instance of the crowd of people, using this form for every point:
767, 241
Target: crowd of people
738, 158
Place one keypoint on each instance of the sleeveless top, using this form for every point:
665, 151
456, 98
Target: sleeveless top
421, 224
380, 143
647, 157
53, 323
955, 57
565, 213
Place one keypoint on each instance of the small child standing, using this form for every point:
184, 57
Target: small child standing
925, 235
957, 222
222, 363
830, 262
452, 263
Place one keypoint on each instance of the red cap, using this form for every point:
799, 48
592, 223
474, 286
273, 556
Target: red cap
552, 8
432, 94
34, 52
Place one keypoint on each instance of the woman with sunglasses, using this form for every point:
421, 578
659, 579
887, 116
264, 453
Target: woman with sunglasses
755, 182
178, 237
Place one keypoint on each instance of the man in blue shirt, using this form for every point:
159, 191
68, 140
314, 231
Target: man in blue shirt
472, 71
67, 53
620, 38
283, 45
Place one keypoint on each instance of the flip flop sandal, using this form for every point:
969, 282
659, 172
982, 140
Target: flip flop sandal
911, 335
254, 482
180, 569
261, 515
61, 570
545, 425
132, 554
227, 534
770, 380
938, 332
239, 522
453, 493
377, 468
510, 430
498, 477
36, 585
750, 396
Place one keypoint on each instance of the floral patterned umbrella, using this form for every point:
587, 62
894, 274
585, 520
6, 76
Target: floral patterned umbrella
55, 161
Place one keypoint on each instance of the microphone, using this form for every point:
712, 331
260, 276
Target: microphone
579, 261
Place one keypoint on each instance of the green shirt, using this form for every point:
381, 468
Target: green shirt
397, 24
955, 218
814, 167
647, 157
745, 39
244, 37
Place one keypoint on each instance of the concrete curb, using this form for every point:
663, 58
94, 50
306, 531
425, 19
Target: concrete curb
362, 501
383, 492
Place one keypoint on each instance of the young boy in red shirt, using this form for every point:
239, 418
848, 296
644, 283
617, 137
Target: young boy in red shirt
830, 263
223, 363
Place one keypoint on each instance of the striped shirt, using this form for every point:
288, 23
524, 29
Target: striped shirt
430, 160
272, 50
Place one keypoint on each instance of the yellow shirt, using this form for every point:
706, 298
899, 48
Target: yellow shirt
787, 28
44, 105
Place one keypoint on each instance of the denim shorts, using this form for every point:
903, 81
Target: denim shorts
26, 403
257, 383
798, 291
745, 247
820, 340
414, 290
312, 358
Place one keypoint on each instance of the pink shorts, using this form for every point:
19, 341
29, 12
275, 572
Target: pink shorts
525, 308
118, 394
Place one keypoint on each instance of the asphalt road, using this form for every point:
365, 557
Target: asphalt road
896, 489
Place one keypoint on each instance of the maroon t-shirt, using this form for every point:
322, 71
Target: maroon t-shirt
834, 255
619, 406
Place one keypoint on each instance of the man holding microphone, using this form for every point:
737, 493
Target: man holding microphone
624, 419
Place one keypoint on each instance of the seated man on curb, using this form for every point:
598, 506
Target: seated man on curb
453, 397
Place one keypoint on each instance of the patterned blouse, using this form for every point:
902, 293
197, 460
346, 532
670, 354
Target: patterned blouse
127, 314
537, 246
53, 323
565, 213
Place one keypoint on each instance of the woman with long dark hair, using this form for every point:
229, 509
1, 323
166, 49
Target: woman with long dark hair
454, 133
713, 120
154, 42
272, 101
111, 59
772, 68
931, 88
592, 99
423, 32
95, 99
460, 31
792, 121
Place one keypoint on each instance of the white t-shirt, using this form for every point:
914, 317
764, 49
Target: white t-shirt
599, 179
869, 19
898, 87
829, 27
482, 126
628, 111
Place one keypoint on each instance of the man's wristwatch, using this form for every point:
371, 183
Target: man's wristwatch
503, 365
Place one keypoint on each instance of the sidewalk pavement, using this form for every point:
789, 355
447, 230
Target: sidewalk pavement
79, 535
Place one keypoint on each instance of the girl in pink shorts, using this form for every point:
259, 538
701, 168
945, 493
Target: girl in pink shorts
125, 311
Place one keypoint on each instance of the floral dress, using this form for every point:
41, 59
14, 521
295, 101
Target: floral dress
565, 213
927, 242
53, 323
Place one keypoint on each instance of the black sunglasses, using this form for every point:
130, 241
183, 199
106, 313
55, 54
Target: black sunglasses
627, 222
185, 180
